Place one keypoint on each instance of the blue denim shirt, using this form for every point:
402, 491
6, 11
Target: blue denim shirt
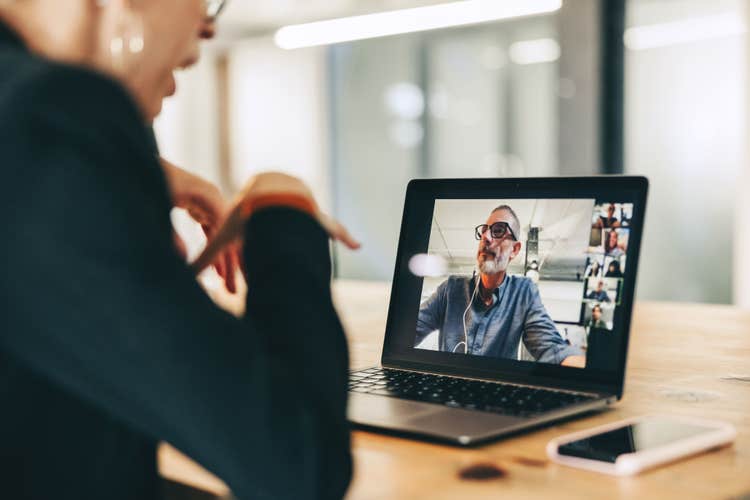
516, 313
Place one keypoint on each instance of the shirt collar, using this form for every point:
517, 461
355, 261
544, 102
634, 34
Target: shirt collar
10, 37
502, 285
496, 292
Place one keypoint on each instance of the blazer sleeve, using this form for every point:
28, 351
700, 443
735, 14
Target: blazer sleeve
103, 307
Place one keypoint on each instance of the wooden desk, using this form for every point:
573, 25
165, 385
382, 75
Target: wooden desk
684, 359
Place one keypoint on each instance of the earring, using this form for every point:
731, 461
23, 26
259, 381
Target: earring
128, 42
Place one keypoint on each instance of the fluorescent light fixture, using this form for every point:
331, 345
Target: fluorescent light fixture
402, 21
686, 31
535, 51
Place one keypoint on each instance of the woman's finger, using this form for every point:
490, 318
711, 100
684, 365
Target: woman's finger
231, 231
218, 265
227, 234
337, 231
231, 270
240, 258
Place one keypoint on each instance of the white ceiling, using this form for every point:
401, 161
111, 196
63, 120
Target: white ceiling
565, 226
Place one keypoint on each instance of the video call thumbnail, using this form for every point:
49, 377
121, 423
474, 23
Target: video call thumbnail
606, 290
522, 279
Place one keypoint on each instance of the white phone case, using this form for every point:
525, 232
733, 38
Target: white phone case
721, 434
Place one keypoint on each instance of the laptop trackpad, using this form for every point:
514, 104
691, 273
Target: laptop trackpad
426, 419
380, 410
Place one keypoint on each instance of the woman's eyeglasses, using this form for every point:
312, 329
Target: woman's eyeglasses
214, 8
498, 230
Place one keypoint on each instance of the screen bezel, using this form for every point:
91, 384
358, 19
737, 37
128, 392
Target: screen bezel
414, 238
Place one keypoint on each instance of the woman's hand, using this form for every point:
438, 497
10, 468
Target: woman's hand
205, 204
260, 186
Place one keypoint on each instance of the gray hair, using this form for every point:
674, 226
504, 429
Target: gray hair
515, 224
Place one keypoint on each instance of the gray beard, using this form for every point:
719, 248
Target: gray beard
494, 266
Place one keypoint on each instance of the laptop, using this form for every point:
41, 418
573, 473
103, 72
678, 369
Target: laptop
510, 307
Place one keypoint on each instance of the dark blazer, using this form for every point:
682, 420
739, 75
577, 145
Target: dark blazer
108, 345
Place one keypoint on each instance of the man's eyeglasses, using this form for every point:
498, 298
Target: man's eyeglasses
214, 8
498, 230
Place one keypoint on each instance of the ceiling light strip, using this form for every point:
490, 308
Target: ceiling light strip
413, 20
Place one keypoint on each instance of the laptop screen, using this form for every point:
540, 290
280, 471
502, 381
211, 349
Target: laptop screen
535, 280
526, 279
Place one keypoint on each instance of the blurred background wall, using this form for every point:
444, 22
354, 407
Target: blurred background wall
651, 87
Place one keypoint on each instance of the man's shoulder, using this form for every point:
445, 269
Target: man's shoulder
521, 282
454, 283
457, 279
523, 288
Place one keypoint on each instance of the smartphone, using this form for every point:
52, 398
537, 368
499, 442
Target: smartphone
630, 446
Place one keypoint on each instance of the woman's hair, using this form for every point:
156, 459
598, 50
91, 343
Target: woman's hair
595, 268
614, 266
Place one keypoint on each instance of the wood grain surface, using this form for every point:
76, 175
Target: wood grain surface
684, 359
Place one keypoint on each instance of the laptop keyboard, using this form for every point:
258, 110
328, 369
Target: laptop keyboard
454, 392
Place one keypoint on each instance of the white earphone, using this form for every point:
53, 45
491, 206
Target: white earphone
471, 300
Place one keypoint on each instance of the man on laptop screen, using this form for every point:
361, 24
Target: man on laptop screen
515, 287
492, 313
